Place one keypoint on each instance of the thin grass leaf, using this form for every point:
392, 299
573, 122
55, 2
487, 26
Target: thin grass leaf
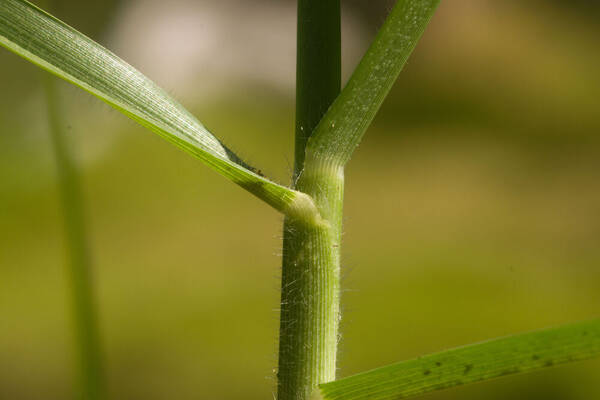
51, 44
78, 268
341, 129
473, 363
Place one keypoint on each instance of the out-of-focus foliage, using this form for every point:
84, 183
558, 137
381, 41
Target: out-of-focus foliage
473, 211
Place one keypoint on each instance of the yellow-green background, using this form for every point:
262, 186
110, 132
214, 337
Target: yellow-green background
472, 211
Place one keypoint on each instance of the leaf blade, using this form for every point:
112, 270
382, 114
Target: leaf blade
487, 360
340, 130
56, 47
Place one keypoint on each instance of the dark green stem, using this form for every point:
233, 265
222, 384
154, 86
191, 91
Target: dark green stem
318, 68
310, 298
78, 268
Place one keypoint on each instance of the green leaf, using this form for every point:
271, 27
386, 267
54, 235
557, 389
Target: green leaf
51, 44
477, 362
341, 129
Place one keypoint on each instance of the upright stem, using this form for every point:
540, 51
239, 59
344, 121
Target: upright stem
318, 68
89, 366
310, 290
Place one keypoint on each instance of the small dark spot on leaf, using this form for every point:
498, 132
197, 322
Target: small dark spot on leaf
439, 364
549, 363
426, 372
468, 369
509, 371
585, 333
535, 357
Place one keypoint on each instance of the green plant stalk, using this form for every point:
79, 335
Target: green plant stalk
318, 68
310, 298
310, 291
78, 267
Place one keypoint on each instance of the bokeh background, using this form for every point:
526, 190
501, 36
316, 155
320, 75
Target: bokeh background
472, 205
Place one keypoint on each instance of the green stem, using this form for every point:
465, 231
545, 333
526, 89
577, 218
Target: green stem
310, 299
318, 67
310, 294
78, 269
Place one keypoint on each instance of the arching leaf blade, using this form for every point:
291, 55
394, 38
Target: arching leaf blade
56, 47
478, 362
343, 126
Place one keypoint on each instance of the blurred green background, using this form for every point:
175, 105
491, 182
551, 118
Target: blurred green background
472, 205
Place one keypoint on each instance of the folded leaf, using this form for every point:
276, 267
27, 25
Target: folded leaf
477, 362
60, 49
342, 127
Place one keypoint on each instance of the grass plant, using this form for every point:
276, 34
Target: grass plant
78, 269
329, 126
